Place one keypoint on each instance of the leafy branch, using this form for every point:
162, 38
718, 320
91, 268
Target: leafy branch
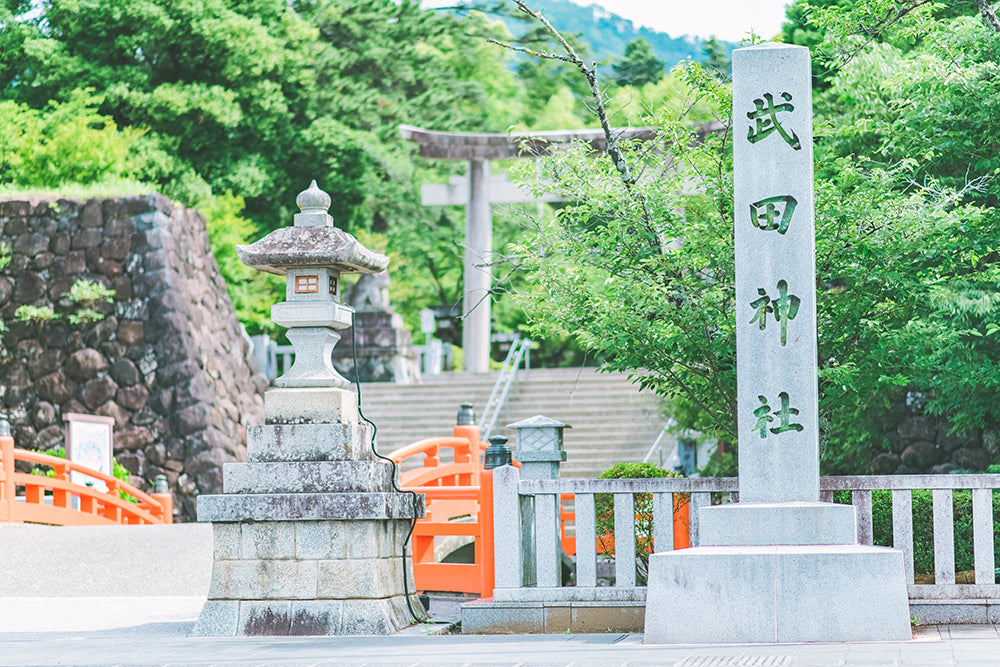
614, 150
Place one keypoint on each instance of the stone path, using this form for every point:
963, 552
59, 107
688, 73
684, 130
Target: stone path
153, 631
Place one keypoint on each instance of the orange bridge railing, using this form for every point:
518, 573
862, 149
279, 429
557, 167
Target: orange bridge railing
28, 498
459, 503
459, 496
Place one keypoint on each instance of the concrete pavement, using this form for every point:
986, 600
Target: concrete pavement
153, 631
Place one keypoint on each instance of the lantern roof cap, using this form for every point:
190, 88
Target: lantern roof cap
538, 421
311, 243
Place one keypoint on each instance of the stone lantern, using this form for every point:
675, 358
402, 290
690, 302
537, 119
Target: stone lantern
539, 447
309, 532
312, 255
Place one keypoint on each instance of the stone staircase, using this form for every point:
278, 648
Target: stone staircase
612, 421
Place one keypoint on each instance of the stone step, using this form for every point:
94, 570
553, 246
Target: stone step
612, 420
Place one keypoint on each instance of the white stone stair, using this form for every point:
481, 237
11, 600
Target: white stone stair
612, 421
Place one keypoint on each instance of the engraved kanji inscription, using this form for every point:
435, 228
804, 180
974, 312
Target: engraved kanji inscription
783, 309
773, 213
765, 117
783, 414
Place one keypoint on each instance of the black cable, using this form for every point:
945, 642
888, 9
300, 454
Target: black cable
413, 520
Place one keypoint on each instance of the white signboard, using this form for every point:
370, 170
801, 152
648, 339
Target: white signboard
89, 443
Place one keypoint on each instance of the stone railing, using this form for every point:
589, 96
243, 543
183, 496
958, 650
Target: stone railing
527, 554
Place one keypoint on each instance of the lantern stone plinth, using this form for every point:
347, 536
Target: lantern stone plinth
309, 532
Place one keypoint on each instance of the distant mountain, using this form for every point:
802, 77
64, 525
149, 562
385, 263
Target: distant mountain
607, 33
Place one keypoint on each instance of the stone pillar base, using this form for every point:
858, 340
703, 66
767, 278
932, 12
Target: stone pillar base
313, 577
245, 618
776, 594
776, 523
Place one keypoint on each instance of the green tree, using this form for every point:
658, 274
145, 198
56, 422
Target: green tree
199, 100
716, 58
66, 142
906, 268
640, 65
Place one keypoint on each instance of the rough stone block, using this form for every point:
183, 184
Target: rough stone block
557, 619
310, 406
307, 442
292, 579
267, 540
271, 618
218, 618
368, 617
361, 578
478, 617
846, 593
307, 477
316, 617
364, 538
776, 594
722, 587
609, 617
239, 580
227, 541
948, 612
320, 540
341, 579
333, 506
777, 523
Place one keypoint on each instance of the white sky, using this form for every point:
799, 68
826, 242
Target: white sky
729, 20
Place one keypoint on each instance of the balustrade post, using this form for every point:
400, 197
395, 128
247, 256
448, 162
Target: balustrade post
487, 572
506, 528
7, 493
161, 494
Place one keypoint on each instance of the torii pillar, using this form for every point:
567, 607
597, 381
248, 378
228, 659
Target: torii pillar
478, 150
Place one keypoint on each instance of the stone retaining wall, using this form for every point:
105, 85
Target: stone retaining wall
168, 362
920, 443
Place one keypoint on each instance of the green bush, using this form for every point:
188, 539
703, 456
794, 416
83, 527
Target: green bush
923, 526
88, 296
40, 315
604, 509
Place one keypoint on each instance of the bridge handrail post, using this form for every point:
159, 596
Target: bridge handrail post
487, 570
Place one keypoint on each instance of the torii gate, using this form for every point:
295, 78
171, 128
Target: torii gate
477, 192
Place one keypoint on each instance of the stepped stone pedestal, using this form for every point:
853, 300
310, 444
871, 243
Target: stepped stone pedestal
309, 532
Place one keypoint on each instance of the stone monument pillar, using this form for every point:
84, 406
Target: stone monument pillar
779, 566
309, 532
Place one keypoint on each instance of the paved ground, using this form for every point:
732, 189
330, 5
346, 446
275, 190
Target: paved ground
153, 631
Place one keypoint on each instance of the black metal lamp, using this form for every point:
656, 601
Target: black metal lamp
466, 415
498, 453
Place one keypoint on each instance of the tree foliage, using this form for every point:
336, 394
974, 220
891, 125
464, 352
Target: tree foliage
639, 268
639, 66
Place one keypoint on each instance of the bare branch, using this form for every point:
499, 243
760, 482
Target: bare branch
989, 16
590, 73
875, 30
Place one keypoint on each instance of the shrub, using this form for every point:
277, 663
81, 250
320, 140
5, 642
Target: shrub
604, 508
40, 315
88, 296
